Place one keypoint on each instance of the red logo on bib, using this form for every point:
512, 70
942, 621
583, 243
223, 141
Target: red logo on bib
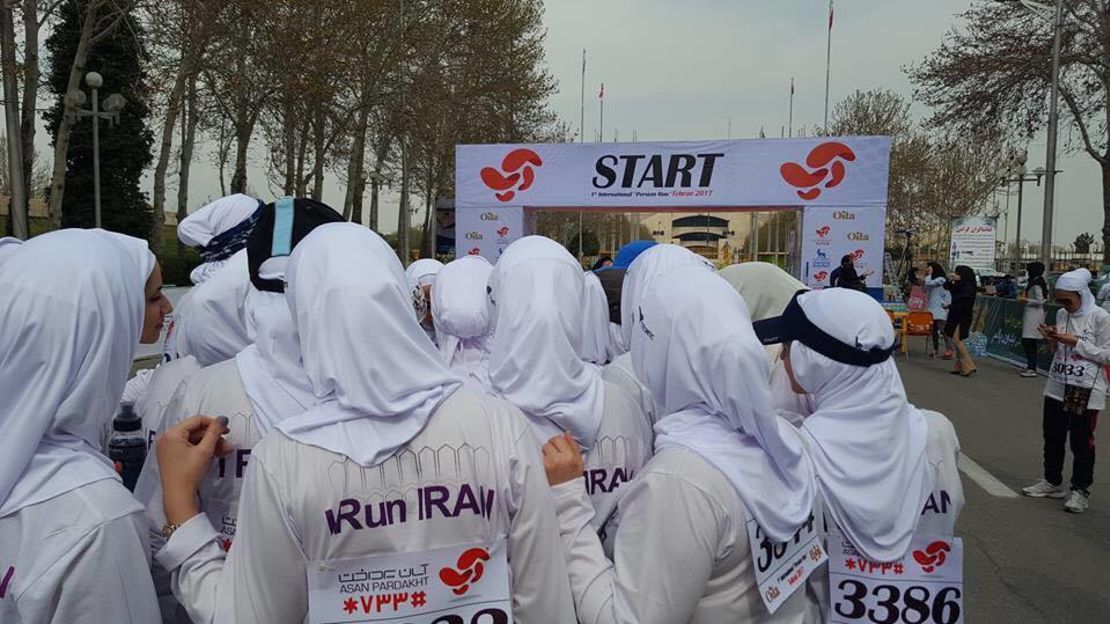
825, 169
516, 173
933, 556
470, 570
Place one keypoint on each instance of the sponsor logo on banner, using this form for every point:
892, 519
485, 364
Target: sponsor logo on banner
503, 231
655, 175
857, 254
844, 215
489, 216
858, 236
823, 235
516, 174
824, 169
474, 251
474, 236
821, 260
820, 276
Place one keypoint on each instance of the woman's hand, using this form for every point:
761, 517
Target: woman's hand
562, 460
184, 452
1066, 339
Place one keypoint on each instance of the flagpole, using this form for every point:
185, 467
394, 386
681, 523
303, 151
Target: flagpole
790, 124
828, 67
601, 122
582, 105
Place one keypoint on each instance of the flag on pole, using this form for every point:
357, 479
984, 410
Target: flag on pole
583, 60
791, 85
601, 94
830, 14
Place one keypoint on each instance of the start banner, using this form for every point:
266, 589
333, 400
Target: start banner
697, 175
829, 234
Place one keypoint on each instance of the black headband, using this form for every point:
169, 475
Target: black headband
793, 324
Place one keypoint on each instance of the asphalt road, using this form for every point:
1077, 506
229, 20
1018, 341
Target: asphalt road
1026, 560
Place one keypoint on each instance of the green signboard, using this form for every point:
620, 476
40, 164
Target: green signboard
996, 331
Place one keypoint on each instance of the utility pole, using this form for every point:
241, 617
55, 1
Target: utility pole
1050, 157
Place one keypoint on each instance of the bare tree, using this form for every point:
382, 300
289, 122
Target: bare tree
995, 73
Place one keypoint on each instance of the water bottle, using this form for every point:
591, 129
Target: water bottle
126, 446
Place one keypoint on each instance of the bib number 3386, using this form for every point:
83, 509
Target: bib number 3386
924, 587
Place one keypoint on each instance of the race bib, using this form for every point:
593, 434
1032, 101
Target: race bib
456, 585
781, 568
1070, 369
925, 586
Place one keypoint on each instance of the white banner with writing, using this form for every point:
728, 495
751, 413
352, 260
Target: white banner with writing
973, 242
488, 231
829, 234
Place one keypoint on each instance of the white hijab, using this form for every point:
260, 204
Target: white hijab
1078, 281
866, 441
766, 289
695, 348
377, 378
649, 265
273, 375
8, 246
423, 271
212, 324
211, 220
537, 293
460, 311
71, 314
595, 333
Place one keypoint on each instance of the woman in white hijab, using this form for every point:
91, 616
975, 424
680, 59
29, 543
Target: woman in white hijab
422, 274
464, 329
649, 265
73, 542
218, 230
1075, 391
727, 473
767, 290
596, 335
886, 470
537, 292
397, 466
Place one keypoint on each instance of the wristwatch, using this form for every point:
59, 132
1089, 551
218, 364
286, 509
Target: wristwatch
168, 528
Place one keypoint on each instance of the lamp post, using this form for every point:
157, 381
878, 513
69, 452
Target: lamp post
113, 104
1019, 175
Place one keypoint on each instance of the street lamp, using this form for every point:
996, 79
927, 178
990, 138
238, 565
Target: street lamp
113, 104
1017, 173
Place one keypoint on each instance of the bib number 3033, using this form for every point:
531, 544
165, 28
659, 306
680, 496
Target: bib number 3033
782, 567
924, 587
466, 584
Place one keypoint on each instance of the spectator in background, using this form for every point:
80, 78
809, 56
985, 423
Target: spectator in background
602, 262
1103, 297
1032, 298
911, 281
845, 276
937, 300
1007, 287
958, 327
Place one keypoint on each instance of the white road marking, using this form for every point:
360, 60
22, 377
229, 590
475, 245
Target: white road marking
986, 480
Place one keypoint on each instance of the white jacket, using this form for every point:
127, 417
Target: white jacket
1093, 331
295, 509
79, 557
682, 553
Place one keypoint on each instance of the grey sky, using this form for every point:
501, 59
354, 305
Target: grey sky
678, 69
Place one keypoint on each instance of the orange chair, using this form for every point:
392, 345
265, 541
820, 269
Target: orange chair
916, 323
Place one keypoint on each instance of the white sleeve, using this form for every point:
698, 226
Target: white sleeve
662, 559
541, 592
1097, 351
106, 578
263, 577
136, 386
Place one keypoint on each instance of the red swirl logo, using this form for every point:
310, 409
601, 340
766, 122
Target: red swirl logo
857, 254
933, 556
825, 169
474, 251
823, 231
516, 174
470, 570
820, 276
503, 231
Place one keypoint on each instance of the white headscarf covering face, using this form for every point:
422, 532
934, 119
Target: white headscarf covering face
64, 376
212, 325
536, 291
649, 265
273, 376
423, 271
867, 442
766, 289
461, 314
595, 333
376, 375
8, 246
1078, 281
695, 348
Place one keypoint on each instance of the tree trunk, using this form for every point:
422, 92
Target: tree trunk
61, 142
302, 149
289, 138
319, 139
356, 171
173, 109
380, 151
244, 127
188, 142
31, 76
